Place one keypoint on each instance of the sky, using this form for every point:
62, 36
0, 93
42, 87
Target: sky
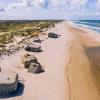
49, 9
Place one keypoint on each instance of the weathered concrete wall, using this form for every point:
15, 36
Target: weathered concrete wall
8, 82
8, 88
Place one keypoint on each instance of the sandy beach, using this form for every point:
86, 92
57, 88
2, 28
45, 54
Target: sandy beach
84, 82
71, 63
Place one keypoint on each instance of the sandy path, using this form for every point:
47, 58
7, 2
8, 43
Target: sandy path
53, 83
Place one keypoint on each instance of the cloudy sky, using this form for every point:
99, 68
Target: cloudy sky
49, 9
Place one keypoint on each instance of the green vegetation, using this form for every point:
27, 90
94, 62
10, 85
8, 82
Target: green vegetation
22, 28
5, 38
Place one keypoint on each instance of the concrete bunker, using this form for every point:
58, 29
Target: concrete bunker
31, 63
8, 81
37, 41
33, 48
53, 35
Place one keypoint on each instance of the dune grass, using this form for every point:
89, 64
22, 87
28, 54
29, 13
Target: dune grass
22, 28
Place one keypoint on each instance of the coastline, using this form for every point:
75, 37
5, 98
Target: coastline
84, 81
71, 71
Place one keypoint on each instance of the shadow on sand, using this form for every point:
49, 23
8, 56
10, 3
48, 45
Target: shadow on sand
18, 92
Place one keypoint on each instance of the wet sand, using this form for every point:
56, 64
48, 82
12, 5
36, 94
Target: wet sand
84, 65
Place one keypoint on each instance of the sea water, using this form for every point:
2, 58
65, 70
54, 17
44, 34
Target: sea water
92, 24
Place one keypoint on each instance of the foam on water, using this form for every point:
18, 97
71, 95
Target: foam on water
92, 24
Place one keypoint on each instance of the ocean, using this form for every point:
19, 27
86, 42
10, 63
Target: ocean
92, 24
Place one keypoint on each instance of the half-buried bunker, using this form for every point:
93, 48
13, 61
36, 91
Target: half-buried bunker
53, 35
31, 63
33, 48
8, 81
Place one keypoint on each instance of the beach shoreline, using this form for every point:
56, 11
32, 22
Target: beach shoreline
68, 63
83, 78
